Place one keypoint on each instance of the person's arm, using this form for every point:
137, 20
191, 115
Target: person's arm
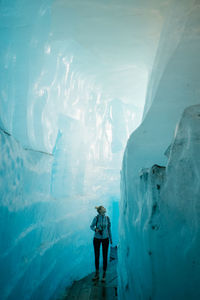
93, 224
109, 230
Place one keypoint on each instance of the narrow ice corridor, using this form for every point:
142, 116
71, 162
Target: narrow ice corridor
66, 114
99, 105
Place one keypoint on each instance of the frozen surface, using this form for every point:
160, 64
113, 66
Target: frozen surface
163, 237
64, 122
38, 239
73, 82
159, 223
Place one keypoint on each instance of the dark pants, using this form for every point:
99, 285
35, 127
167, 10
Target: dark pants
97, 244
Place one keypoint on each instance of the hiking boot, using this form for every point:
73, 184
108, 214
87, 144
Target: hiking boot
103, 277
96, 276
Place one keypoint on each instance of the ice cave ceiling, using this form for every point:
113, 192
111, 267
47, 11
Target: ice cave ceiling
121, 37
76, 76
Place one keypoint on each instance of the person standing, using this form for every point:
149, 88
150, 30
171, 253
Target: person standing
101, 225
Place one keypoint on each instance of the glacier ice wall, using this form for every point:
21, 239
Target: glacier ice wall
159, 223
61, 147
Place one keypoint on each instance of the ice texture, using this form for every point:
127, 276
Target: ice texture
70, 96
61, 144
159, 220
162, 249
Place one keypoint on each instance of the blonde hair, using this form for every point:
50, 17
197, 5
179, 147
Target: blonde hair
98, 208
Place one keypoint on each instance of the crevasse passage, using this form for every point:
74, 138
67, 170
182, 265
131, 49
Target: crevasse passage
64, 122
75, 79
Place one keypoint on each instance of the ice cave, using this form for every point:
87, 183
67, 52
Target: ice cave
100, 105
